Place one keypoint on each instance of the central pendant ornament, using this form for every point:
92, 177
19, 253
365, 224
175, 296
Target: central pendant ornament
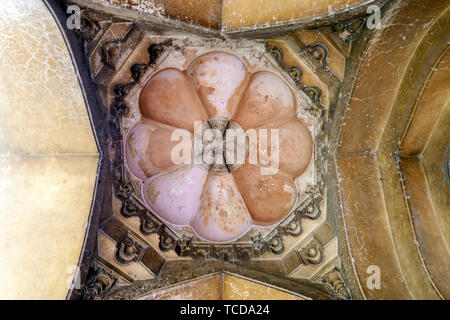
220, 146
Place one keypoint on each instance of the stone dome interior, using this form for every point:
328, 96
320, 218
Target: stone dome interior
219, 201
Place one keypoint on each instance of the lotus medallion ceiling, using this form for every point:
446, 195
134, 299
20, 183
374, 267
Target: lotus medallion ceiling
266, 146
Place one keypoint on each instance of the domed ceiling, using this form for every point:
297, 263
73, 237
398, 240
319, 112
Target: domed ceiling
210, 190
217, 146
263, 145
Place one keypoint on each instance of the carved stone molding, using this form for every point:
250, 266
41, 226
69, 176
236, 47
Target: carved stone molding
98, 285
349, 31
318, 54
110, 52
129, 250
275, 243
89, 26
336, 284
148, 225
311, 253
167, 240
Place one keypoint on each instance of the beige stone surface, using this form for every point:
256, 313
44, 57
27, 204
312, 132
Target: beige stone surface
237, 14
48, 156
45, 203
202, 12
420, 98
434, 99
224, 15
428, 135
221, 287
368, 229
402, 232
42, 110
396, 228
374, 92
206, 288
430, 240
433, 161
236, 288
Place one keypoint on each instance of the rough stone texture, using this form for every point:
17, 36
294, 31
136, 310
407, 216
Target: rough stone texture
379, 188
48, 156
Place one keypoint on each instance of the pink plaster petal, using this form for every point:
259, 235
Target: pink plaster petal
175, 196
267, 98
223, 215
148, 149
219, 78
294, 146
269, 198
170, 97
